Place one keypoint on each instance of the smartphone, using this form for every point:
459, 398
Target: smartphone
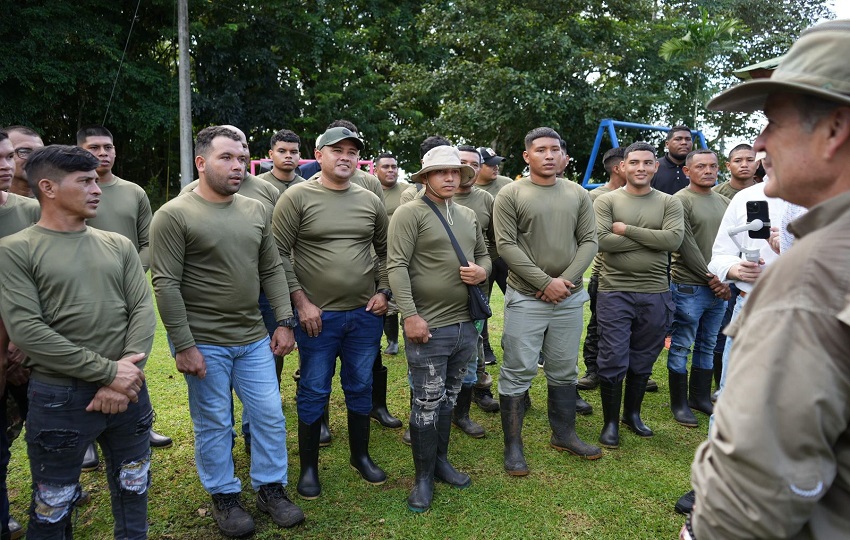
758, 210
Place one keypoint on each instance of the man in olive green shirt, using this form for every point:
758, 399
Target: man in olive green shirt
16, 213
700, 297
432, 294
478, 382
612, 161
330, 227
492, 182
26, 141
546, 233
214, 236
386, 169
85, 339
124, 209
285, 153
742, 169
638, 226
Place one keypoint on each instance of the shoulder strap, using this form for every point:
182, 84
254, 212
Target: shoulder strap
459, 252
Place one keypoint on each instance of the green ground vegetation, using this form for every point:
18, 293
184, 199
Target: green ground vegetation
629, 493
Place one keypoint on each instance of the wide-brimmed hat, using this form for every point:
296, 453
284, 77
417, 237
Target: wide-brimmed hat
442, 157
489, 157
815, 65
334, 135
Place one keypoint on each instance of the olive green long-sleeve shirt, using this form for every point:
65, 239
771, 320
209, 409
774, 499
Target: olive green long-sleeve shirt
637, 261
596, 266
278, 183
329, 235
208, 261
75, 302
702, 216
494, 187
424, 270
125, 209
17, 214
252, 187
544, 232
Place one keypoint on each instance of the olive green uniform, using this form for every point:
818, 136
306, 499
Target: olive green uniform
279, 184
252, 187
125, 209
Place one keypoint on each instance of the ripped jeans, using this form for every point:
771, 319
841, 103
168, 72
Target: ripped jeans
437, 369
58, 431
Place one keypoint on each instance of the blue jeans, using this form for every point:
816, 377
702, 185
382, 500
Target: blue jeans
696, 322
354, 336
58, 432
249, 370
267, 312
739, 305
436, 370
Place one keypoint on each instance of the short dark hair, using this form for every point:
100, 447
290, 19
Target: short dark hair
3, 135
469, 148
564, 146
343, 123
92, 130
432, 142
385, 155
284, 135
22, 129
612, 157
738, 148
674, 129
639, 146
55, 161
205, 137
690, 157
539, 133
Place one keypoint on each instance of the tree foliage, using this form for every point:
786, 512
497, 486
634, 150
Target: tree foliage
481, 73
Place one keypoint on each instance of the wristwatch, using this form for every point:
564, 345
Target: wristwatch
386, 292
291, 322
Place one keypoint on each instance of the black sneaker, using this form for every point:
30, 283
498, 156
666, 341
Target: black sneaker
685, 503
272, 500
230, 516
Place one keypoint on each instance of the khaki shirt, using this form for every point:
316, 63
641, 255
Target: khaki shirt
777, 464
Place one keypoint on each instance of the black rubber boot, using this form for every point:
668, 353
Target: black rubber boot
562, 420
308, 452
326, 437
443, 470
612, 397
358, 442
699, 398
379, 400
484, 398
685, 504
632, 401
679, 399
460, 414
513, 413
424, 445
391, 331
582, 407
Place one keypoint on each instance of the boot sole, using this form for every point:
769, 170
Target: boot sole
308, 497
365, 479
456, 486
517, 473
417, 510
473, 435
686, 424
573, 452
609, 446
399, 426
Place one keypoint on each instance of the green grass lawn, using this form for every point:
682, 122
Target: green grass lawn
629, 493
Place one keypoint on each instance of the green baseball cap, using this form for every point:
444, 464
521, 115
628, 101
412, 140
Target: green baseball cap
334, 135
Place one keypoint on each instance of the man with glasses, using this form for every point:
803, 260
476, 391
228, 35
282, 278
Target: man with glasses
25, 141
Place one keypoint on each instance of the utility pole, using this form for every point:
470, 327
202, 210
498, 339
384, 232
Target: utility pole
187, 168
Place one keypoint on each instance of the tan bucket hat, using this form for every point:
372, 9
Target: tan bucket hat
443, 157
816, 65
